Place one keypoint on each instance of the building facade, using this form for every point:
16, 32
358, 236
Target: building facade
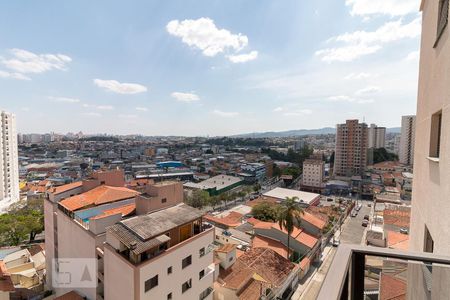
351, 149
431, 188
313, 174
376, 136
9, 172
407, 140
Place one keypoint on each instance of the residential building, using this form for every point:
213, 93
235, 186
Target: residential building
351, 149
376, 136
253, 172
9, 171
313, 175
407, 140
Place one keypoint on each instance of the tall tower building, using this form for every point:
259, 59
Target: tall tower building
9, 171
351, 148
407, 139
377, 137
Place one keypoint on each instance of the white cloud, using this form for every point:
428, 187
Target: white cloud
104, 107
300, 112
368, 91
204, 35
385, 7
13, 75
185, 97
361, 43
120, 88
92, 114
225, 114
362, 75
24, 61
345, 98
413, 56
64, 99
242, 58
127, 116
278, 109
141, 108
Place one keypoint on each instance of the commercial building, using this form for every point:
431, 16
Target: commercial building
376, 136
9, 171
253, 172
216, 185
351, 149
313, 175
304, 198
407, 140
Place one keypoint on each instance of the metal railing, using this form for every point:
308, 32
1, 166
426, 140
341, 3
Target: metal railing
346, 277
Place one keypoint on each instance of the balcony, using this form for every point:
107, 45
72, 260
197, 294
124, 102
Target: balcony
360, 272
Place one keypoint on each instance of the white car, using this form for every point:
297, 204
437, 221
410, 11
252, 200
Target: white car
336, 242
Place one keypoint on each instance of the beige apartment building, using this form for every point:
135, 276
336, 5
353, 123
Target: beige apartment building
313, 175
351, 149
376, 137
431, 188
407, 140
130, 235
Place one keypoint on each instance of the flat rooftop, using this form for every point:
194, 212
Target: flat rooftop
148, 226
282, 193
219, 182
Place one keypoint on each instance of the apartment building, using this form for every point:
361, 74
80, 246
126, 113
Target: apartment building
102, 220
407, 140
313, 175
376, 137
351, 149
9, 171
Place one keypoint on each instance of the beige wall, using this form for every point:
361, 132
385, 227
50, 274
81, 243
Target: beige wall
119, 277
431, 186
172, 192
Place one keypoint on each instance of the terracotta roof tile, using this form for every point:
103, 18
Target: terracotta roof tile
66, 187
397, 240
233, 219
99, 195
265, 242
313, 220
392, 288
125, 210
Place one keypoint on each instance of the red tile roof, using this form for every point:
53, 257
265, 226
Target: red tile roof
233, 219
265, 242
66, 187
313, 220
99, 195
70, 296
392, 288
124, 210
397, 240
6, 284
297, 233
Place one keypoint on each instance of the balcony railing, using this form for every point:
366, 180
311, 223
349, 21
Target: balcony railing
360, 272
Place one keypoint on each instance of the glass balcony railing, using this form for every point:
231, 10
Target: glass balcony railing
360, 272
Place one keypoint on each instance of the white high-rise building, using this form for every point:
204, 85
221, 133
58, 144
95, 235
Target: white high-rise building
377, 136
9, 171
407, 138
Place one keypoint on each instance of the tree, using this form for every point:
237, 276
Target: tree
265, 211
289, 215
213, 201
198, 199
257, 187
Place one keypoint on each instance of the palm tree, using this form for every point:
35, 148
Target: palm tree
289, 213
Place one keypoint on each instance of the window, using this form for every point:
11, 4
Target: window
169, 270
230, 259
151, 283
201, 274
201, 252
429, 243
163, 200
435, 135
442, 19
169, 296
186, 286
186, 262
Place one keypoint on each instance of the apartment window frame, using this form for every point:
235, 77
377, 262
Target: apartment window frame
442, 20
186, 286
428, 243
186, 262
202, 252
169, 296
169, 270
435, 135
201, 274
151, 283
163, 200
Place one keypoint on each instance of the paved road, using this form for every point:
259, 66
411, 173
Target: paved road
352, 231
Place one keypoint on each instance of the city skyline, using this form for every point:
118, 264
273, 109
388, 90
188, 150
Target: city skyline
186, 69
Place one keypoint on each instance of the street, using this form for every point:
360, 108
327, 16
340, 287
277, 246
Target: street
352, 230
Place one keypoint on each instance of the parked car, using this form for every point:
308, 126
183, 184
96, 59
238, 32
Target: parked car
365, 223
336, 242
404, 230
330, 199
354, 213
366, 217
369, 205
358, 207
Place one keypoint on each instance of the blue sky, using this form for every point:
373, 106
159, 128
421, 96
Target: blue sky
207, 67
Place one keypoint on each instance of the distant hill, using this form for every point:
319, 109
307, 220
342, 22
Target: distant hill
300, 132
